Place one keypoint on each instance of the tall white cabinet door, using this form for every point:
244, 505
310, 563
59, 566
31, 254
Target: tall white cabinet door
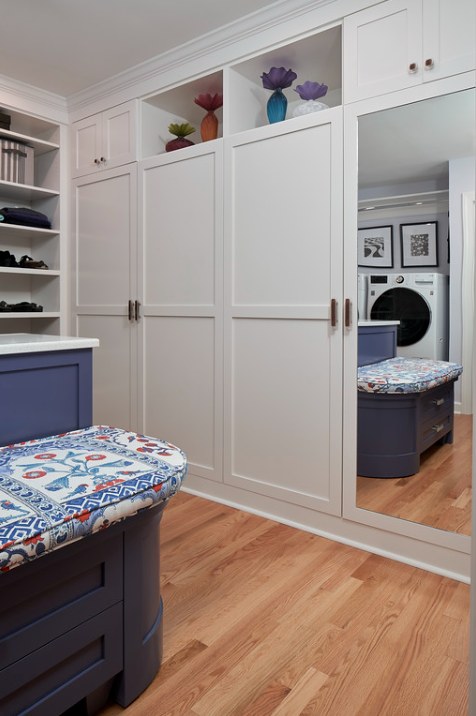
283, 267
105, 280
383, 49
181, 325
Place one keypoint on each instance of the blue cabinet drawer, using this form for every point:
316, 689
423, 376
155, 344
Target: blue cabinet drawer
50, 596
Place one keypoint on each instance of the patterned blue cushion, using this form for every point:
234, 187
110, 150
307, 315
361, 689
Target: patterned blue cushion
59, 489
405, 375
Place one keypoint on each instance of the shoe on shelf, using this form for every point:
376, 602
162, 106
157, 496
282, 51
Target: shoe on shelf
5, 307
8, 260
28, 262
25, 307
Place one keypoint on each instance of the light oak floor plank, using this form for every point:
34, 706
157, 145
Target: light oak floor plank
439, 495
261, 619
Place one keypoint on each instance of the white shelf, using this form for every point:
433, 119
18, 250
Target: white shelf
14, 231
39, 145
45, 273
316, 57
35, 314
24, 192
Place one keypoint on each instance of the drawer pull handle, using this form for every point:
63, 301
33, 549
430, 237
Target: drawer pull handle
131, 310
438, 401
429, 64
412, 68
438, 428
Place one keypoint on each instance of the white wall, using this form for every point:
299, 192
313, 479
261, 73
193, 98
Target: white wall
461, 179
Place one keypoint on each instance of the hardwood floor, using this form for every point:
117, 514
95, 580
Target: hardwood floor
261, 619
439, 495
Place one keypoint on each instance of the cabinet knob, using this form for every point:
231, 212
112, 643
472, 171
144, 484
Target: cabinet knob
96, 161
103, 160
412, 68
429, 64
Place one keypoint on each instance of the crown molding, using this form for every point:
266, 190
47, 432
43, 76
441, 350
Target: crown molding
33, 100
225, 37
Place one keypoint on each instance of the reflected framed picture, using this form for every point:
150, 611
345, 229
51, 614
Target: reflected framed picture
375, 247
419, 244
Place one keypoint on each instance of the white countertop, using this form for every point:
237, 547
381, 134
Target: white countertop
31, 343
378, 323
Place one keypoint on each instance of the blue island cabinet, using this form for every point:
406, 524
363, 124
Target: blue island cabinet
44, 392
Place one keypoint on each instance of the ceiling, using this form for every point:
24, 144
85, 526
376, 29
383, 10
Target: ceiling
66, 46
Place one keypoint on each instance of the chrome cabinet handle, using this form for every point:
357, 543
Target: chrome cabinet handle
438, 401
438, 428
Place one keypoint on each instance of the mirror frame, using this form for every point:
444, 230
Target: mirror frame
455, 547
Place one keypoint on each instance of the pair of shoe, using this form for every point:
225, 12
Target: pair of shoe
23, 307
8, 260
28, 262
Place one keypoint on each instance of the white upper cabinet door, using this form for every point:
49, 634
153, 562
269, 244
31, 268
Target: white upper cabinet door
449, 37
119, 128
402, 43
382, 49
86, 139
283, 267
105, 140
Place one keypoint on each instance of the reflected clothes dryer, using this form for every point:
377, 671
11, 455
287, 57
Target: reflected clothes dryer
420, 302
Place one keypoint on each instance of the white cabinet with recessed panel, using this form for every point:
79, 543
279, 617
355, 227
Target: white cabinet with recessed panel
105, 140
402, 43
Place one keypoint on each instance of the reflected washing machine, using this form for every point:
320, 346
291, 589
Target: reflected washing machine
420, 302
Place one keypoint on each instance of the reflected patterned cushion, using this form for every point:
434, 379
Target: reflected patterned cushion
405, 375
56, 490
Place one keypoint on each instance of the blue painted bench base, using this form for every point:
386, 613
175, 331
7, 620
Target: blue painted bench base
395, 429
83, 623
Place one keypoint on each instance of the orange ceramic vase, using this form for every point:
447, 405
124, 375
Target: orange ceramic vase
209, 126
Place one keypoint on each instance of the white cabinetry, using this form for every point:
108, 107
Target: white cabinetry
402, 43
283, 356
105, 140
18, 285
181, 325
105, 291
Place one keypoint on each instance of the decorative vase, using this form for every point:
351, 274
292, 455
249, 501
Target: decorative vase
178, 143
209, 126
277, 79
276, 107
181, 131
309, 106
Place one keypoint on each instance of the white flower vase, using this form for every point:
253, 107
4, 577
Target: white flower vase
310, 105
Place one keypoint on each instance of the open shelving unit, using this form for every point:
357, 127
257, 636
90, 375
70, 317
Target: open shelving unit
40, 286
316, 57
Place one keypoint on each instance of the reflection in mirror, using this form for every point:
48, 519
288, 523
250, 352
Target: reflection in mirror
416, 251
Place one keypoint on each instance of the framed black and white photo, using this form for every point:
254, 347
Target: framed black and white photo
419, 244
375, 247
